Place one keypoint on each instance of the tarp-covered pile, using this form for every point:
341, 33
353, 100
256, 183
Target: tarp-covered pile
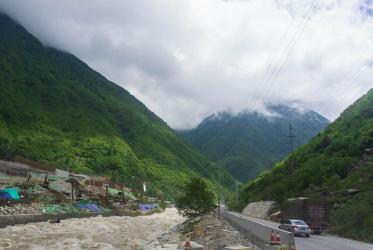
128, 195
146, 207
63, 208
91, 207
60, 186
10, 193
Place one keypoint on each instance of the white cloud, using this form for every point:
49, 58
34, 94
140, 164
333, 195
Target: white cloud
187, 59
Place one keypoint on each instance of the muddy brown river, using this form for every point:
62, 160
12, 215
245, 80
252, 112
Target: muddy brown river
89, 233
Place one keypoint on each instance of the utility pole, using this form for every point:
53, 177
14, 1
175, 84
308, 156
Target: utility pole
291, 136
236, 192
219, 196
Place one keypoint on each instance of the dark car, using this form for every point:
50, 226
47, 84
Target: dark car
298, 227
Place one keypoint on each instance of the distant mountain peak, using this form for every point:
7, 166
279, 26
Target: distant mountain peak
248, 142
271, 112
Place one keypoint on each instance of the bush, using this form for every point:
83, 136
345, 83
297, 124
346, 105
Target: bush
197, 200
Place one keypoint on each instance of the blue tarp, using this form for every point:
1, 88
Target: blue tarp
147, 206
12, 192
90, 206
5, 195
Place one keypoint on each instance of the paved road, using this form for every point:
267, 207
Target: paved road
323, 242
327, 242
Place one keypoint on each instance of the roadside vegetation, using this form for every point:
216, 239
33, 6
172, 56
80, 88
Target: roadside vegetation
196, 200
335, 165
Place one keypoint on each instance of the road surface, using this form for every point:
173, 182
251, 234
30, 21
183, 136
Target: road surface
99, 233
323, 242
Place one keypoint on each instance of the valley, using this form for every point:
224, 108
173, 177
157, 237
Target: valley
186, 125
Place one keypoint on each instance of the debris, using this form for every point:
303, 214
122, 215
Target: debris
55, 221
353, 190
217, 234
60, 186
261, 209
32, 208
237, 247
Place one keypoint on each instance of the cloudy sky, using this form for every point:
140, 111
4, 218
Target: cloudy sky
186, 59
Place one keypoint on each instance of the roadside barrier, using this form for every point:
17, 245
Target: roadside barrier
273, 238
7, 220
278, 238
11, 220
258, 232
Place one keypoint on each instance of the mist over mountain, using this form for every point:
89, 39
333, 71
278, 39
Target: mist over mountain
55, 109
250, 142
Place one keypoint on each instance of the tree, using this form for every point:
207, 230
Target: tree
197, 200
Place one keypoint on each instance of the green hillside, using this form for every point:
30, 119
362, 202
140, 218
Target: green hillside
248, 143
336, 165
56, 109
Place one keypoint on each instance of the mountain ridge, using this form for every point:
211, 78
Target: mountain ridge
336, 165
54, 108
250, 142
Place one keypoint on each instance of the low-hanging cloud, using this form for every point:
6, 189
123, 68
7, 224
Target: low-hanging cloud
187, 59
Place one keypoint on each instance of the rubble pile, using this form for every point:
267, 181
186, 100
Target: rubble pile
94, 190
32, 208
214, 233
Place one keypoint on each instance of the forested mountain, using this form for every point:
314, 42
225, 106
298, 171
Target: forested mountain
336, 165
248, 143
56, 109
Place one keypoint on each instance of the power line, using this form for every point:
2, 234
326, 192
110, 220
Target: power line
288, 50
273, 55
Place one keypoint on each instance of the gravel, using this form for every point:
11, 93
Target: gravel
32, 208
214, 234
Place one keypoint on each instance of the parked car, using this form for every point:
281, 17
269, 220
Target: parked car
298, 227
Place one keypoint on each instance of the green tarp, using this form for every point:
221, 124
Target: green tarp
113, 191
128, 195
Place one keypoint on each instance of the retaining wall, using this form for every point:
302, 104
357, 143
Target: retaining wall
11, 220
258, 233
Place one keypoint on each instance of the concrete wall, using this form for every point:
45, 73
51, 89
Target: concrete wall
62, 173
14, 168
11, 220
258, 233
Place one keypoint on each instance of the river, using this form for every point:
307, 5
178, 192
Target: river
89, 233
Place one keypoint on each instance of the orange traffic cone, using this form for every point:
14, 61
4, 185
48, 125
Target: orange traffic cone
278, 239
293, 247
273, 238
187, 245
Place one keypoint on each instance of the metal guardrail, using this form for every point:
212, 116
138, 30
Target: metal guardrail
258, 232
